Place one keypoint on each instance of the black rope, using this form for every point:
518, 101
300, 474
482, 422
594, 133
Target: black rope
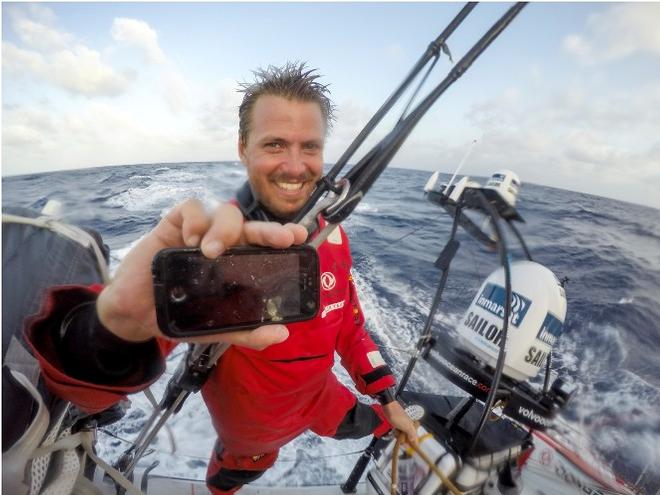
419, 86
364, 174
430, 52
499, 367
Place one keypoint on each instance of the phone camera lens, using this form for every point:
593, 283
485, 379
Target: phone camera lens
178, 294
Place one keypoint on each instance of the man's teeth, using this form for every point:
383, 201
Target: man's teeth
290, 186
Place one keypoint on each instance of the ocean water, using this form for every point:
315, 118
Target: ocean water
609, 250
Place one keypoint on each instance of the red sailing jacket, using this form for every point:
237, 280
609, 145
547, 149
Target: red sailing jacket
270, 395
262, 399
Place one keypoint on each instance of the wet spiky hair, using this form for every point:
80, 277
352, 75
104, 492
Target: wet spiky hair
293, 81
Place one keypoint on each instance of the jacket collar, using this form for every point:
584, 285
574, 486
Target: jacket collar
252, 209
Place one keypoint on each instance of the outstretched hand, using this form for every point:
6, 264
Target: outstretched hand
399, 420
126, 306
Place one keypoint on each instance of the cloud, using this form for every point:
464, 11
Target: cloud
576, 45
623, 113
133, 32
624, 29
218, 115
352, 116
40, 36
18, 11
78, 70
26, 127
49, 55
55, 57
81, 71
176, 91
590, 147
575, 139
38, 137
16, 60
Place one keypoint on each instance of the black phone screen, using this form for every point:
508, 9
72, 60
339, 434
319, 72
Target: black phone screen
245, 287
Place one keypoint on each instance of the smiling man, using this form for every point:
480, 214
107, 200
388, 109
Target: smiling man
275, 382
281, 144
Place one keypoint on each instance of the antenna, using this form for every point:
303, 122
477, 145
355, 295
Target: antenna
460, 165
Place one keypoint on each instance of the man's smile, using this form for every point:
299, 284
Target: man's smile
289, 186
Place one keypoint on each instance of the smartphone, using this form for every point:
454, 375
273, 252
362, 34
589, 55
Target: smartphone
243, 288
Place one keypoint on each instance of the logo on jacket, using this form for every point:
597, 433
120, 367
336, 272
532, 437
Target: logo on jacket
328, 281
332, 307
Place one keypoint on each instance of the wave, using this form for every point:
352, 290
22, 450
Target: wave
160, 196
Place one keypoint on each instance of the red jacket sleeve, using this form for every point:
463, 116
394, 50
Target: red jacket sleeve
41, 333
359, 354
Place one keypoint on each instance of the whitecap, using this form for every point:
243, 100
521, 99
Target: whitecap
117, 255
363, 207
158, 196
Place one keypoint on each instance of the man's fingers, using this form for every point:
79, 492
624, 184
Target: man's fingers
273, 234
224, 232
257, 339
195, 222
261, 337
408, 436
185, 224
188, 224
299, 232
412, 437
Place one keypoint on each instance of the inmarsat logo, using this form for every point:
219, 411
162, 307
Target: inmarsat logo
550, 330
328, 281
493, 298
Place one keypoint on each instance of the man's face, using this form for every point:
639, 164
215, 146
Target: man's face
284, 152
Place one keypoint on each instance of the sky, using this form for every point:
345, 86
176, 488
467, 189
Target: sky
568, 96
